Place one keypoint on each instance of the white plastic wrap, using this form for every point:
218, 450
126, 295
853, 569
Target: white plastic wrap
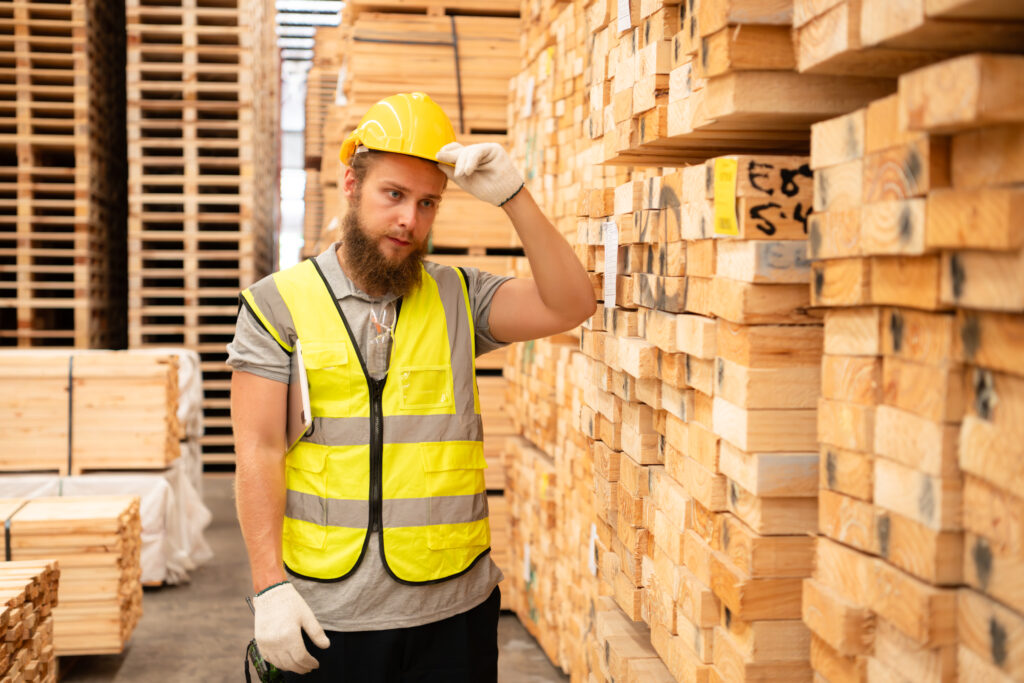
172, 510
190, 387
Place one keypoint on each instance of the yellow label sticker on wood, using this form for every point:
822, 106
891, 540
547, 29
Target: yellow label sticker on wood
725, 197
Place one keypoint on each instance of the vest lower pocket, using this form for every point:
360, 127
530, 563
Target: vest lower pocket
454, 479
305, 521
302, 533
448, 536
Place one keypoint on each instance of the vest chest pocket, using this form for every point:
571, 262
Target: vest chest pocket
426, 387
305, 521
329, 372
457, 510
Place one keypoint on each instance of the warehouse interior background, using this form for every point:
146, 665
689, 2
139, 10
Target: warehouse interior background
789, 445
296, 30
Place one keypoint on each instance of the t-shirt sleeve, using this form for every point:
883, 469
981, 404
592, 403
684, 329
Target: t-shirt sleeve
253, 350
482, 286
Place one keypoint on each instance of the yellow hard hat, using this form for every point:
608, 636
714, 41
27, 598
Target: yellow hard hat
406, 123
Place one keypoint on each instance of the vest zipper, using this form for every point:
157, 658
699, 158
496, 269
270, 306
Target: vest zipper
376, 454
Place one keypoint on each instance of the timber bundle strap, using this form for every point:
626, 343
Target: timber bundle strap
71, 394
458, 75
7, 531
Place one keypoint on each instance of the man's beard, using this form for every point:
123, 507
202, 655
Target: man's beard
369, 268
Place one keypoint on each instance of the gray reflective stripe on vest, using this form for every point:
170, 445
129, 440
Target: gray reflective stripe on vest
449, 286
355, 431
402, 512
308, 507
465, 425
397, 512
273, 307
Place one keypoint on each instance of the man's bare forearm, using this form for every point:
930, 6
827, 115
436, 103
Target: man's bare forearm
258, 408
562, 282
260, 498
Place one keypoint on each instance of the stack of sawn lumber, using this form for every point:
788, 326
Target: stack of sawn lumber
550, 577
62, 203
28, 593
918, 250
462, 60
91, 410
551, 141
912, 260
701, 396
96, 541
321, 95
203, 129
497, 422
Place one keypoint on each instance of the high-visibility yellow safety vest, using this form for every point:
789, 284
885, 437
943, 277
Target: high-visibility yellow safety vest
403, 455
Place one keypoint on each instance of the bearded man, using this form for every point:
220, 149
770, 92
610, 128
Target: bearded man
368, 538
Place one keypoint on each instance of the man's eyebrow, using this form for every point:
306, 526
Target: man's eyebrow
398, 186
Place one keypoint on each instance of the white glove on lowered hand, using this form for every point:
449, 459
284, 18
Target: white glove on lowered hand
281, 616
484, 170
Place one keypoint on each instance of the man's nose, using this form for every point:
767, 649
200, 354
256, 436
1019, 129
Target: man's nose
408, 215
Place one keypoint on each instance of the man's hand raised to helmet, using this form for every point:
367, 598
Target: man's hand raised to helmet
484, 170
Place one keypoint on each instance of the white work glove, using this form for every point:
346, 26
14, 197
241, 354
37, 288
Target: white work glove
281, 616
484, 170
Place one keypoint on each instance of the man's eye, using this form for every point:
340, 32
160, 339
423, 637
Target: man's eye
428, 203
394, 194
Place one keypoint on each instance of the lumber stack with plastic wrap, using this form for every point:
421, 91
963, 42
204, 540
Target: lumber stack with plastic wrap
96, 541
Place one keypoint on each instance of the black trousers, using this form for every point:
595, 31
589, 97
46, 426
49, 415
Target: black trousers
460, 649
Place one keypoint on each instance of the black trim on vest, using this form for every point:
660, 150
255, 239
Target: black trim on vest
362, 363
242, 302
374, 519
431, 581
380, 539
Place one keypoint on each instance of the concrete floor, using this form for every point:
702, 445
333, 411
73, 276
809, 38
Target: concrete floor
198, 631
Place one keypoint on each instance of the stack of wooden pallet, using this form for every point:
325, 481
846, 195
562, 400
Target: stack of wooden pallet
62, 244
76, 411
914, 223
96, 542
203, 103
463, 60
28, 592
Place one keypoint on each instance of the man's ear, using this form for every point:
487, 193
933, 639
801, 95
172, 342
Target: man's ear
348, 182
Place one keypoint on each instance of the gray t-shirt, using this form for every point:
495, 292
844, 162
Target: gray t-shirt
369, 599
